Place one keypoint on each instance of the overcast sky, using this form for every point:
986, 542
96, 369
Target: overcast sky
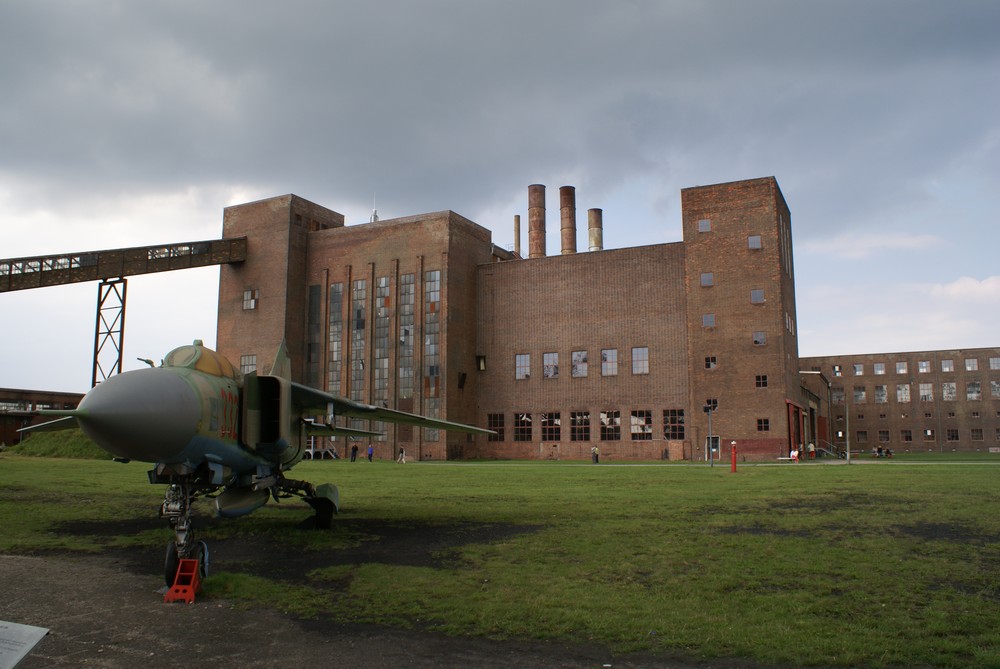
133, 123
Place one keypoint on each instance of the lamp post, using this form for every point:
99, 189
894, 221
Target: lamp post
711, 459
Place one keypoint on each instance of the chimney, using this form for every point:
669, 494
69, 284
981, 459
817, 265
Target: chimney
567, 218
595, 229
536, 221
517, 234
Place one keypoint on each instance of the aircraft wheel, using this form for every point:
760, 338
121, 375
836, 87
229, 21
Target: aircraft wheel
202, 554
171, 564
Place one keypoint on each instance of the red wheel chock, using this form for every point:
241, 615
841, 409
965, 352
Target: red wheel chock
187, 583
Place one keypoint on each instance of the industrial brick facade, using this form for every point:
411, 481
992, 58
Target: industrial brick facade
938, 401
621, 349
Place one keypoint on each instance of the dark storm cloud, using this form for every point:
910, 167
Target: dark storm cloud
457, 104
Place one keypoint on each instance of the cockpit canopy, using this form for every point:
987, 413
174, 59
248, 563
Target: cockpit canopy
196, 356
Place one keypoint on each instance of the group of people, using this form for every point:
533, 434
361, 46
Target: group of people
808, 451
354, 452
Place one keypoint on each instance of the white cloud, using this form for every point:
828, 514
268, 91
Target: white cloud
968, 289
868, 245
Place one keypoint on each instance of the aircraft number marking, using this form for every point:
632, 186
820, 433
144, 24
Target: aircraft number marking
230, 407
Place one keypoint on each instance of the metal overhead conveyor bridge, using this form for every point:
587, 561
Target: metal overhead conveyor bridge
110, 267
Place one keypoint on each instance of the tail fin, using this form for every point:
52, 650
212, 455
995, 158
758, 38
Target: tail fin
282, 366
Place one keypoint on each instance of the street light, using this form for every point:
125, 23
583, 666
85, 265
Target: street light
709, 408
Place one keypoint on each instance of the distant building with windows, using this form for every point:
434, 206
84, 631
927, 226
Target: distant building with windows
634, 350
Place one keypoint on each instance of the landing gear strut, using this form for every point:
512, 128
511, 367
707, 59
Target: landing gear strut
177, 509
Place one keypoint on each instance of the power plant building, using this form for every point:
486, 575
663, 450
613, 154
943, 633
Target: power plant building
635, 351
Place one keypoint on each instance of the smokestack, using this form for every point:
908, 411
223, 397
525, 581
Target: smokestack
517, 234
567, 218
536, 221
595, 229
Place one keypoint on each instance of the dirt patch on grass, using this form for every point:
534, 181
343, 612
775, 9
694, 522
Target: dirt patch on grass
107, 610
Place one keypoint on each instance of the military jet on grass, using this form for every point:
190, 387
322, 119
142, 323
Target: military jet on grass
212, 431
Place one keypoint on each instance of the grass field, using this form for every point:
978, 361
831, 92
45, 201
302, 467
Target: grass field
882, 564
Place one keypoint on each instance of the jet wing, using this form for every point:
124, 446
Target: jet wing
305, 397
317, 429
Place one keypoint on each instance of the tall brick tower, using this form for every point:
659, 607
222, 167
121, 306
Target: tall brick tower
742, 343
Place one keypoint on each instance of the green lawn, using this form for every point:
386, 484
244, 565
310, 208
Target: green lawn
885, 563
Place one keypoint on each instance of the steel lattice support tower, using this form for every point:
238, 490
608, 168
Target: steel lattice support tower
109, 332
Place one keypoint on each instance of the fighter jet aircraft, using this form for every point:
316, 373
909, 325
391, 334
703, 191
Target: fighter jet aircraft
212, 431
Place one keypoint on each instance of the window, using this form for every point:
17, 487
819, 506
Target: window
753, 242
881, 395
710, 362
860, 394
713, 403
951, 434
704, 225
995, 364
859, 369
878, 368
673, 423
578, 362
551, 427
611, 426
550, 365
949, 393
759, 338
924, 366
906, 436
929, 434
838, 370
707, 279
407, 299
903, 392
522, 427
862, 436
432, 349
972, 364
926, 392
761, 381
973, 391
708, 320
250, 297
609, 362
995, 390
248, 363
640, 360
641, 426
757, 296
947, 366
579, 426
883, 436
763, 424
977, 434
837, 395
901, 368
494, 421
522, 366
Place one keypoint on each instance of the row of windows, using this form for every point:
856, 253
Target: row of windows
581, 428
928, 434
580, 365
923, 367
949, 392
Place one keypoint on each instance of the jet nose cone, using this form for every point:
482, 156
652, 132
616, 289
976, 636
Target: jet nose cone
147, 414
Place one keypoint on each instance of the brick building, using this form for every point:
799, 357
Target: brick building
925, 401
623, 349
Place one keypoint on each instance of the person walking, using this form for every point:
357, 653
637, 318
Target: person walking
401, 460
354, 452
371, 452
595, 454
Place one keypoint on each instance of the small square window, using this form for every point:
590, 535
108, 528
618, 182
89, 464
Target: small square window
947, 365
753, 242
763, 424
878, 368
924, 366
757, 296
707, 279
760, 338
250, 298
704, 225
901, 368
708, 320
971, 365
761, 381
710, 362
